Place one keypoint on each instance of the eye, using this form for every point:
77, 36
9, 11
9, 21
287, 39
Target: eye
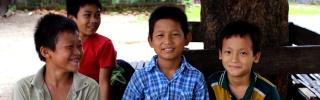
87, 15
243, 53
160, 35
227, 52
98, 14
175, 34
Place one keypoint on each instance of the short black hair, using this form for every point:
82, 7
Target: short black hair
48, 29
168, 12
73, 6
242, 28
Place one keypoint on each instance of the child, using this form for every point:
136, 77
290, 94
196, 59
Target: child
99, 58
239, 47
58, 44
168, 75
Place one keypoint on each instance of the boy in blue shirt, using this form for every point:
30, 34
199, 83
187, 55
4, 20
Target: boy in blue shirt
168, 75
239, 47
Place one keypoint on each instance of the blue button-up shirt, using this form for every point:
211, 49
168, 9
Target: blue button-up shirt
151, 84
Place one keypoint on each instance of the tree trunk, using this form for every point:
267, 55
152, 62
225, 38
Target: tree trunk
270, 15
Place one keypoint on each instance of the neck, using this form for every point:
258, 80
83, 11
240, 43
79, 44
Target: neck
167, 65
55, 77
239, 81
84, 37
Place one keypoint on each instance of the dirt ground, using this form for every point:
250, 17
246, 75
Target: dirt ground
19, 59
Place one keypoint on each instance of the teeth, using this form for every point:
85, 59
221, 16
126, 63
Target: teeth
168, 49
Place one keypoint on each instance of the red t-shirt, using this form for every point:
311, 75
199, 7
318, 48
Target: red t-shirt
98, 53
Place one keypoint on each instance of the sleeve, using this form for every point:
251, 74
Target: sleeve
211, 92
18, 92
107, 55
272, 95
134, 90
211, 79
94, 92
201, 92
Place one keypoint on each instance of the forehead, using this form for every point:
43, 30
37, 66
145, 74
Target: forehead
89, 7
237, 41
67, 35
166, 23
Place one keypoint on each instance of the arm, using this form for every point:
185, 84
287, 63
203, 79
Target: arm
94, 93
272, 95
201, 92
18, 93
104, 82
107, 60
134, 90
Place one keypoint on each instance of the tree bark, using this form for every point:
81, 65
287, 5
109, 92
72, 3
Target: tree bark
270, 15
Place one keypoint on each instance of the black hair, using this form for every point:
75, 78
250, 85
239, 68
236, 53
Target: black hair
242, 28
48, 29
73, 6
168, 12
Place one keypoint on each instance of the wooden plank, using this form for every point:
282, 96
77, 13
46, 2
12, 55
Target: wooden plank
274, 61
302, 36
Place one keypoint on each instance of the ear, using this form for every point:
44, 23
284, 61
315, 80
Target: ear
257, 57
150, 42
71, 16
188, 39
44, 51
220, 54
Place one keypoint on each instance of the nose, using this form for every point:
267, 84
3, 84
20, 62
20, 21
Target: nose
168, 40
93, 19
235, 58
77, 51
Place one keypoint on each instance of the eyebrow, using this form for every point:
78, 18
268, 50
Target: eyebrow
88, 11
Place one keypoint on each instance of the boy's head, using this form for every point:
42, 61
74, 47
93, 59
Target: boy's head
168, 32
86, 14
239, 47
48, 30
168, 12
243, 29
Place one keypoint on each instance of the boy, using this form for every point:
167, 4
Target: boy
58, 44
168, 75
239, 47
99, 54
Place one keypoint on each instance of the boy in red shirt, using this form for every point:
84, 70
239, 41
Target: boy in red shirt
99, 58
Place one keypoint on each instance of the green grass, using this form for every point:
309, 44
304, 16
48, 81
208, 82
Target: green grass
193, 12
304, 10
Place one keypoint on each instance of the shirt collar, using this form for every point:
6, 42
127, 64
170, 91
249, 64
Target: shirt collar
224, 83
77, 84
153, 64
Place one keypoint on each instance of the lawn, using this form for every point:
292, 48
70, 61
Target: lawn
193, 12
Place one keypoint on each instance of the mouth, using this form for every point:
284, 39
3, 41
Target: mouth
92, 27
168, 49
75, 60
234, 66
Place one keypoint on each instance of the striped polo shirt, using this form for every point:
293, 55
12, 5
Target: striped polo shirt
259, 88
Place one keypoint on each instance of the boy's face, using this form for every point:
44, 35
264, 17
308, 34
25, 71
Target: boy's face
88, 19
68, 53
237, 55
168, 39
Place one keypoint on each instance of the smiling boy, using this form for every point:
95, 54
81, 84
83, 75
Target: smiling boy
58, 44
168, 76
239, 48
99, 58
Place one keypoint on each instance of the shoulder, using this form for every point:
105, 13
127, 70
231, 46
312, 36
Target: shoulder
264, 85
102, 38
26, 81
23, 85
89, 81
215, 77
